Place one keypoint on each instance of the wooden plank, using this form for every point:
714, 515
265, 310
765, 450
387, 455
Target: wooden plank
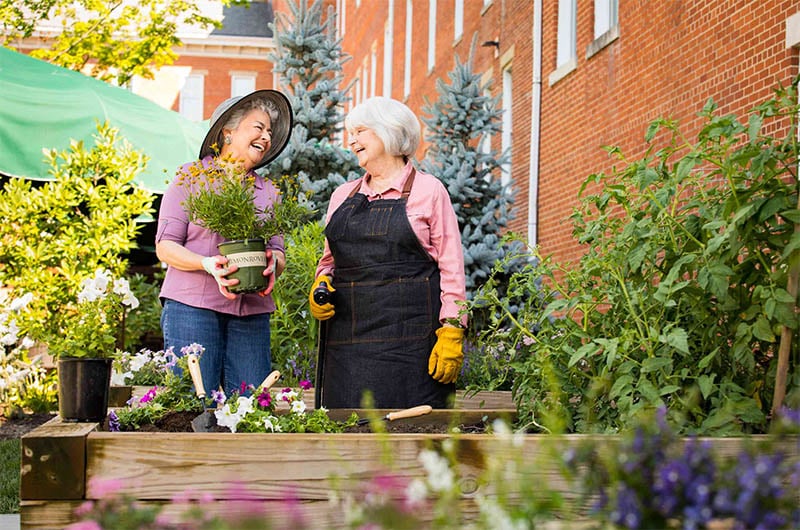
47, 515
54, 460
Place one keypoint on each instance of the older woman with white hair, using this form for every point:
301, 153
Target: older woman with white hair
393, 267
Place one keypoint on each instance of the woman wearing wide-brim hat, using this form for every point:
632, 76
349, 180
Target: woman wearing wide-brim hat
198, 308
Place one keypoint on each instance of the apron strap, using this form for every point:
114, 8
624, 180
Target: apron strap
409, 183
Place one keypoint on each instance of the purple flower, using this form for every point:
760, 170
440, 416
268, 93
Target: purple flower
628, 509
218, 397
265, 399
113, 422
305, 384
149, 395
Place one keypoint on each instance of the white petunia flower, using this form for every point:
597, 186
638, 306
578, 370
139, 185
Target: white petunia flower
226, 418
299, 406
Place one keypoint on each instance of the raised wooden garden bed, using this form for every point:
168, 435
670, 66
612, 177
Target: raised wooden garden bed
60, 460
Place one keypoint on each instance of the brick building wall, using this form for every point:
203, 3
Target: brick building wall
669, 59
666, 59
505, 21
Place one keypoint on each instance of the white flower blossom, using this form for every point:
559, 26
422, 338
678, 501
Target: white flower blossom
440, 476
244, 406
299, 406
416, 492
117, 378
271, 424
226, 418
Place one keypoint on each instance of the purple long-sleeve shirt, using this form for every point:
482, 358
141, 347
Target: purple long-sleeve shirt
198, 288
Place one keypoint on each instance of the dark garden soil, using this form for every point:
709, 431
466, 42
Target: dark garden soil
17, 425
182, 422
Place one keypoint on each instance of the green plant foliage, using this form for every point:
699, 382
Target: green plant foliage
55, 235
117, 39
308, 59
221, 198
144, 324
293, 330
10, 457
681, 293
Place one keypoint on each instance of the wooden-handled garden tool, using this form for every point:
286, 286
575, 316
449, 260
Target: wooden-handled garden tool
206, 421
413, 412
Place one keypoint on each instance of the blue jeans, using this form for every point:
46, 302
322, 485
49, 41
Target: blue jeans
237, 349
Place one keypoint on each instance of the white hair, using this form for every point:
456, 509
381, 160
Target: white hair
393, 122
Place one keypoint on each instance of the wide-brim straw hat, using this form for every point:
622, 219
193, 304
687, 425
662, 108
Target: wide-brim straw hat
281, 128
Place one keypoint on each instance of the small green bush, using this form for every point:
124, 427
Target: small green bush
293, 330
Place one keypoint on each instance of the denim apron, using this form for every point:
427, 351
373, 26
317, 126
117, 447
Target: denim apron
387, 308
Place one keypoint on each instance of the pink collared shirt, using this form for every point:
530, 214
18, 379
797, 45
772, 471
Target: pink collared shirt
433, 220
198, 288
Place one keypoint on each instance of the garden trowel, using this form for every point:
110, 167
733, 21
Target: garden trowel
413, 412
206, 421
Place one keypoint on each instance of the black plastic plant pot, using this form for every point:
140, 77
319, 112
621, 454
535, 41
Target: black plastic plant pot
251, 258
83, 385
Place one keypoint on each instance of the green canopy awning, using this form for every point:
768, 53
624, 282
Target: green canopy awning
46, 106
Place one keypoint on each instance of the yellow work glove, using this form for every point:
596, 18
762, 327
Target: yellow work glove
447, 355
324, 310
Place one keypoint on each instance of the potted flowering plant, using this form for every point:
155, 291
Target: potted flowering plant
85, 345
221, 198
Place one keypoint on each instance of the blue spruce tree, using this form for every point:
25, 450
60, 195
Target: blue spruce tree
308, 59
460, 123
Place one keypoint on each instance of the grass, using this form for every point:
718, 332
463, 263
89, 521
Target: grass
9, 475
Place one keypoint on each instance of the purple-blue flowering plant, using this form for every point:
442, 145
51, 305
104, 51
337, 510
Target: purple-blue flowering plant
655, 479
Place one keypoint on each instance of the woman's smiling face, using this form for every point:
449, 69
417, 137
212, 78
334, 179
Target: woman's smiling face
367, 146
250, 140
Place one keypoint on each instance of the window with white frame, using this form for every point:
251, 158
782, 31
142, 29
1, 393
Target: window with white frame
190, 104
485, 142
388, 51
341, 8
565, 50
506, 137
407, 50
458, 19
365, 79
431, 34
605, 16
242, 84
373, 67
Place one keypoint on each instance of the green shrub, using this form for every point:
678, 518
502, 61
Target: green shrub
293, 330
56, 234
681, 294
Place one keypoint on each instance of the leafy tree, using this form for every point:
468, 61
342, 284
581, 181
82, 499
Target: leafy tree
119, 39
459, 121
308, 59
55, 235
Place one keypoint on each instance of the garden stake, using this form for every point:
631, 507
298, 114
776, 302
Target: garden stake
413, 412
